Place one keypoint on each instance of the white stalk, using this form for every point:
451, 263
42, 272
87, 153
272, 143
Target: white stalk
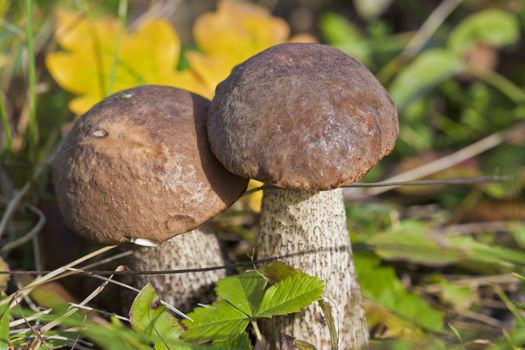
296, 221
194, 249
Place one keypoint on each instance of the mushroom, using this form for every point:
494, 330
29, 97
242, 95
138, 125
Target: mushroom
137, 168
306, 119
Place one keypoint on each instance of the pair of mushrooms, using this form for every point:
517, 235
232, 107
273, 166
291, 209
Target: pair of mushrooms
153, 162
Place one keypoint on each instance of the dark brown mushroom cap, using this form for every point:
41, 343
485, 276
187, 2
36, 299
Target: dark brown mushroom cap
138, 165
301, 116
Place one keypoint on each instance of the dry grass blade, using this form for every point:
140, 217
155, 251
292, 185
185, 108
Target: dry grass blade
121, 284
102, 312
472, 282
38, 336
33, 317
491, 321
432, 23
477, 227
27, 289
71, 311
443, 163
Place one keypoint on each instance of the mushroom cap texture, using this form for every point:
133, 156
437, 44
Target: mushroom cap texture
138, 165
301, 116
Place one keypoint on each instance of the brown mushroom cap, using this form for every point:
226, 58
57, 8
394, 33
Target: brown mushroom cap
138, 165
301, 116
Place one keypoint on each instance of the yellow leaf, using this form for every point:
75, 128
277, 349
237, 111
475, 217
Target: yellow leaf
232, 34
239, 30
4, 278
79, 105
303, 38
188, 80
101, 58
391, 325
75, 32
75, 72
4, 6
151, 53
211, 69
255, 199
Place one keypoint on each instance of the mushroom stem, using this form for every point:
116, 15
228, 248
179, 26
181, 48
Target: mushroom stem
299, 220
194, 249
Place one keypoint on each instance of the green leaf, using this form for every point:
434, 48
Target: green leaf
242, 342
244, 291
303, 345
343, 34
219, 322
4, 327
278, 271
338, 30
381, 284
493, 27
151, 318
290, 295
413, 242
424, 73
114, 337
461, 297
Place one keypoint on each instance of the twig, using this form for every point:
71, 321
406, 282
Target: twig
446, 162
418, 41
477, 227
12, 206
472, 282
107, 260
451, 182
89, 308
178, 271
28, 236
429, 27
18, 195
481, 318
127, 286
121, 284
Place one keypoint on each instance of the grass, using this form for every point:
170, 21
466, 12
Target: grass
32, 130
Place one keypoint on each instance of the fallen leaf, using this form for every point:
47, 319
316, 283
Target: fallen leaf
101, 58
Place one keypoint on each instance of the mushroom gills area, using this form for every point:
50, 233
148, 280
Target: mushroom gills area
295, 221
194, 249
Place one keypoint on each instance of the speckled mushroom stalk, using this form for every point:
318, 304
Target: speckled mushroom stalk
137, 168
306, 119
194, 249
303, 221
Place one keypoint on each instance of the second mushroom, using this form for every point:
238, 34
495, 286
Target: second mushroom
137, 168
